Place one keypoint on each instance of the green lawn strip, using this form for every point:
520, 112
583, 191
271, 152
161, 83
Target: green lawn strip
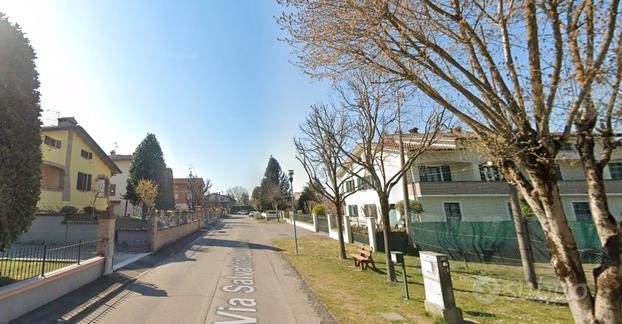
353, 295
13, 271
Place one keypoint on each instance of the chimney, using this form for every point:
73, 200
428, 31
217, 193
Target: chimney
414, 130
67, 122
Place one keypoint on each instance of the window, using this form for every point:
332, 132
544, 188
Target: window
582, 211
349, 185
353, 211
370, 210
86, 154
84, 182
113, 189
177, 195
489, 173
364, 183
453, 213
435, 173
510, 210
51, 142
558, 173
616, 171
189, 196
567, 147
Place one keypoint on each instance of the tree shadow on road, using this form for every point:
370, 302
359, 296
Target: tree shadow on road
211, 242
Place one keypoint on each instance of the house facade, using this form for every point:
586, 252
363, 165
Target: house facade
118, 184
183, 195
455, 183
216, 200
75, 170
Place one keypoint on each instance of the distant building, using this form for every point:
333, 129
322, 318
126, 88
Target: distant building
182, 192
75, 170
216, 200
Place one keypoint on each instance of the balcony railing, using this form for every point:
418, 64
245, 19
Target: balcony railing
501, 188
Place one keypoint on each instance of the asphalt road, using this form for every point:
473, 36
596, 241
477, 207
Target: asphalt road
230, 275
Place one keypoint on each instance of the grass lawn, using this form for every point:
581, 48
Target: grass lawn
12, 271
353, 295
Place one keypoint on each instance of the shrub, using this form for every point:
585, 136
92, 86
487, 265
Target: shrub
319, 209
88, 210
68, 210
415, 207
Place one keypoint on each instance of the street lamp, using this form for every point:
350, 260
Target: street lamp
291, 186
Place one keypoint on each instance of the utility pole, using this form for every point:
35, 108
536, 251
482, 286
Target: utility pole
400, 97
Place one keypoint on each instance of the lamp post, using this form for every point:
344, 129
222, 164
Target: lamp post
291, 186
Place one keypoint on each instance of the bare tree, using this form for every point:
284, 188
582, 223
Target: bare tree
239, 194
369, 101
505, 68
198, 189
323, 132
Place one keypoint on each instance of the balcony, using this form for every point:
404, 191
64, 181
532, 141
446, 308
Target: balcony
579, 187
576, 187
461, 188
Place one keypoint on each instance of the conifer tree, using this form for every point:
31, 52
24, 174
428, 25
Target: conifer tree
20, 153
147, 163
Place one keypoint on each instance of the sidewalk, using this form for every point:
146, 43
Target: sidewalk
75, 305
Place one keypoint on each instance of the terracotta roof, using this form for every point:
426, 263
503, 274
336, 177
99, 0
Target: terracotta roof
90, 141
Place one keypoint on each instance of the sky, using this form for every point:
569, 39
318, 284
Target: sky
210, 79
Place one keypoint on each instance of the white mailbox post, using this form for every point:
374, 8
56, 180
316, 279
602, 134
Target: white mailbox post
439, 294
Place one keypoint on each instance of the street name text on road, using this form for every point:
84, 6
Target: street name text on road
242, 283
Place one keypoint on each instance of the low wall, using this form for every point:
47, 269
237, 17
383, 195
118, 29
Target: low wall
308, 227
50, 229
172, 234
132, 240
22, 297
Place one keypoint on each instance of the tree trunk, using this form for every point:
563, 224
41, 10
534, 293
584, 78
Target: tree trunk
342, 244
564, 254
524, 245
386, 230
608, 276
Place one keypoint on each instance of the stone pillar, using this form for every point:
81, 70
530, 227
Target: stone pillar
330, 223
105, 236
153, 230
371, 232
347, 229
315, 225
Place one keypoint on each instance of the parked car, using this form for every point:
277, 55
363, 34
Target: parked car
252, 214
243, 212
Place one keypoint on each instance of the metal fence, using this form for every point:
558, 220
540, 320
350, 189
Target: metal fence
322, 223
307, 218
360, 234
495, 242
21, 262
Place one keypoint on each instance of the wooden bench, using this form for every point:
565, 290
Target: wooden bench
363, 257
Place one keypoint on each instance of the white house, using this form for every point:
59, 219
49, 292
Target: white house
118, 184
455, 183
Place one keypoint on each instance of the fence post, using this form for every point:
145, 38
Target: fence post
315, 224
105, 237
45, 255
79, 250
153, 231
371, 232
347, 229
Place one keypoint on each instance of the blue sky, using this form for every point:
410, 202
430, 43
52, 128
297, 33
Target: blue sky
209, 78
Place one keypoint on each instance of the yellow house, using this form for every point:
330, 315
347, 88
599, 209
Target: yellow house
76, 171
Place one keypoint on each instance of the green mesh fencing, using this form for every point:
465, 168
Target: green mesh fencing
495, 242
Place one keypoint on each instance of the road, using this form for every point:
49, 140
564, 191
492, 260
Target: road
230, 275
